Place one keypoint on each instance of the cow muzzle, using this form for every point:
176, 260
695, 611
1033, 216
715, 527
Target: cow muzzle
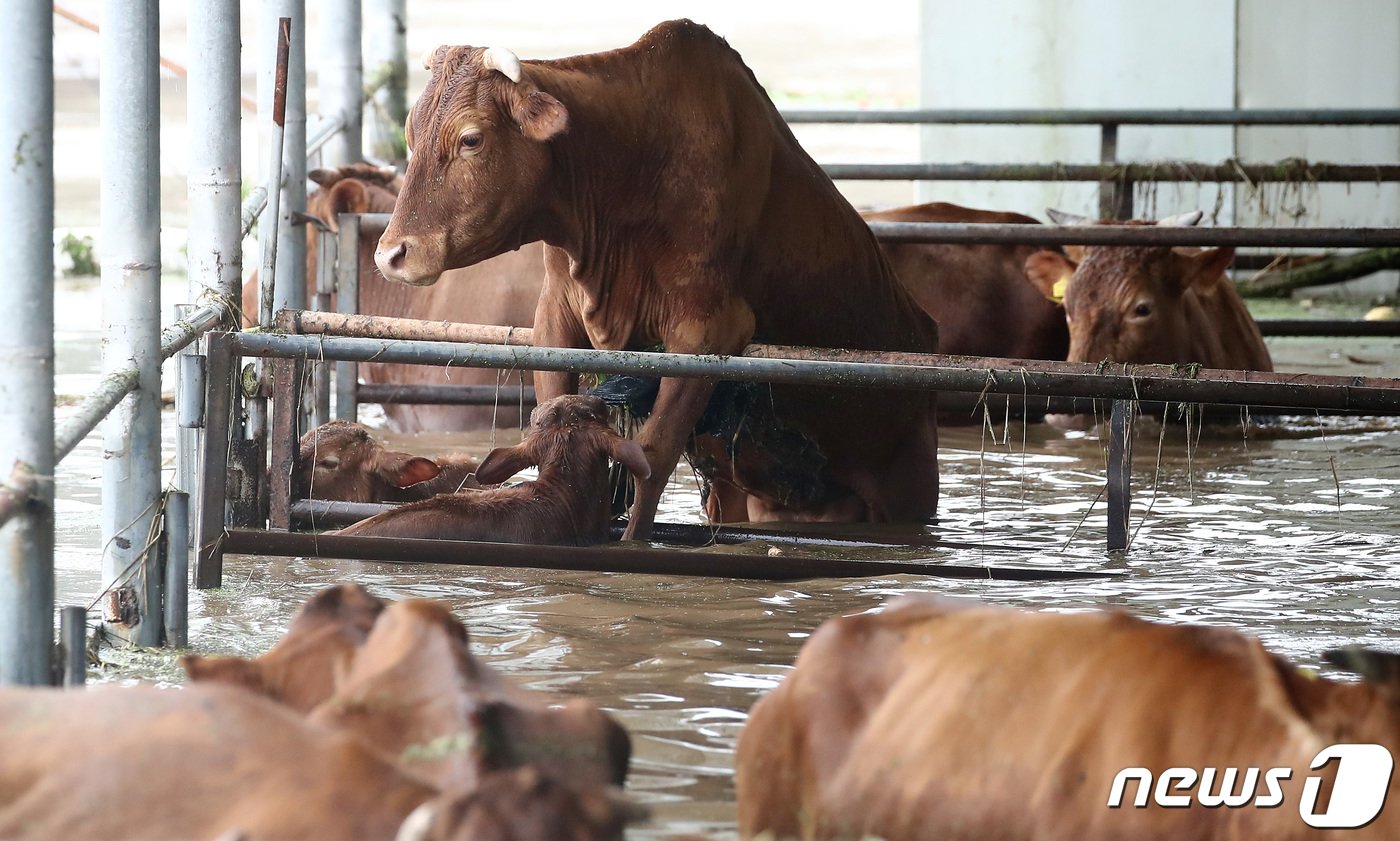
395, 262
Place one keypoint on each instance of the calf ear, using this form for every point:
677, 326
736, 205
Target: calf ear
230, 670
1381, 669
629, 452
539, 115
402, 469
1049, 272
502, 463
324, 177
1208, 267
348, 196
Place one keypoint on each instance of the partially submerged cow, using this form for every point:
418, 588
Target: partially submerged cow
944, 719
1141, 304
502, 291
215, 761
570, 442
679, 210
342, 461
300, 670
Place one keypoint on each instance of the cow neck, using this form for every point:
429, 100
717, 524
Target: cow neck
612, 150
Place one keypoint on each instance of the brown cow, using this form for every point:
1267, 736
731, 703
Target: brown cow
300, 670
942, 719
215, 761
341, 460
569, 504
1135, 304
416, 693
502, 291
679, 210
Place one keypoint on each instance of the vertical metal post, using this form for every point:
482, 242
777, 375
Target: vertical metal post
340, 75
219, 426
130, 115
215, 185
347, 300
286, 411
1120, 471
72, 635
177, 568
26, 343
1108, 153
189, 404
386, 59
290, 281
325, 288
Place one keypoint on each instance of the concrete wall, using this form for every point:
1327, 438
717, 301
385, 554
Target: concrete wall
1192, 54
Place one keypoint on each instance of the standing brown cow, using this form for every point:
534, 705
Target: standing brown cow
946, 720
502, 291
679, 210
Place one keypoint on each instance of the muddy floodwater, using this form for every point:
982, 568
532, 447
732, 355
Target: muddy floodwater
1288, 530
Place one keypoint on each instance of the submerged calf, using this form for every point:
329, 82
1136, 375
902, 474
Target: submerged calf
570, 441
341, 461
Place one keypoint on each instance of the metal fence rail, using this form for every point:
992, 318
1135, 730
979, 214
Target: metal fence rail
1231, 172
1100, 116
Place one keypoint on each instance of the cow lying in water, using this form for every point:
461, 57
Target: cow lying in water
501, 291
112, 763
342, 461
411, 688
942, 719
678, 209
569, 504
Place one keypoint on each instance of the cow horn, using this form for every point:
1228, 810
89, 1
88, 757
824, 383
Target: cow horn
502, 59
1059, 217
1181, 220
415, 827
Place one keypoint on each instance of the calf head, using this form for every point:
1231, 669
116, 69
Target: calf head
524, 805
480, 135
341, 461
1127, 303
302, 668
569, 435
356, 188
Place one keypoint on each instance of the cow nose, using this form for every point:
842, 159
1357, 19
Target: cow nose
392, 258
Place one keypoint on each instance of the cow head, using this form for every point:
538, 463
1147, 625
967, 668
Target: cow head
341, 461
479, 138
569, 436
1127, 303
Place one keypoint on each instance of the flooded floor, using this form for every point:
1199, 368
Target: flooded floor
1289, 530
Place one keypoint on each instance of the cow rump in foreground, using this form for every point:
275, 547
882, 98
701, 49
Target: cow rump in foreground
679, 210
945, 719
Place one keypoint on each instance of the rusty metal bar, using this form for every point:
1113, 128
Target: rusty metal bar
631, 559
286, 406
869, 369
955, 233
1159, 171
387, 327
447, 395
347, 301
1120, 473
219, 424
1101, 116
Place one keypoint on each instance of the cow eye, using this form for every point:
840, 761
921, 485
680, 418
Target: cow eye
471, 142
1142, 310
329, 463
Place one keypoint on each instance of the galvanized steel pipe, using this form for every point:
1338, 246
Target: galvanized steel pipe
26, 344
1159, 172
1102, 116
340, 75
130, 114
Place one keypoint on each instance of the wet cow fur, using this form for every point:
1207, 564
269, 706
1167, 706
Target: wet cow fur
945, 719
678, 210
342, 461
502, 291
570, 442
301, 668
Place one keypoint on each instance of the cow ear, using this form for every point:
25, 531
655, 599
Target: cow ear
539, 115
1049, 272
235, 671
1208, 267
502, 463
402, 469
1381, 669
349, 196
324, 177
629, 452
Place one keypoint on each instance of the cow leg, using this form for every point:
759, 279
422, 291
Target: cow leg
906, 489
726, 503
679, 405
556, 326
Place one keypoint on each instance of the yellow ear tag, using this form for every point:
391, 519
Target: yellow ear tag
1057, 292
